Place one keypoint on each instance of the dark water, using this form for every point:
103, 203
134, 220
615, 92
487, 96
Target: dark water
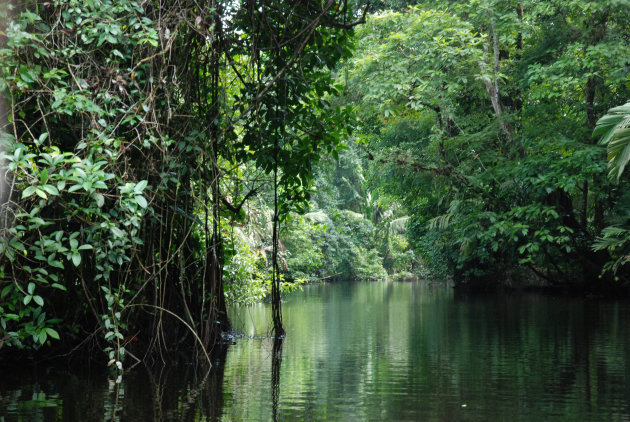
373, 351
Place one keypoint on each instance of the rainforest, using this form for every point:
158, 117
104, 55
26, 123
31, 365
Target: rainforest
170, 164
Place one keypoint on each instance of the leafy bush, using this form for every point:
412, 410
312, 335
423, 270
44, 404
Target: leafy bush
75, 203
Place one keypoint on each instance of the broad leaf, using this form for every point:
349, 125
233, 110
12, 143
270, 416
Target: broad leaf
614, 130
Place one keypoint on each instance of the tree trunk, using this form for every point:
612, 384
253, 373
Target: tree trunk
492, 84
275, 277
595, 34
217, 320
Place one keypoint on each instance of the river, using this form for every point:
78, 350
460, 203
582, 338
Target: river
372, 351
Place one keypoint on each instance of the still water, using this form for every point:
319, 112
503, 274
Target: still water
373, 351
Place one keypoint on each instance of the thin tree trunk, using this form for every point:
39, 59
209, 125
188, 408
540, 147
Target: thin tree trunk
596, 33
519, 37
518, 95
492, 85
275, 277
275, 280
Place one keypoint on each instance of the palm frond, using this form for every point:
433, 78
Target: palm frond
614, 131
353, 215
398, 225
442, 221
318, 216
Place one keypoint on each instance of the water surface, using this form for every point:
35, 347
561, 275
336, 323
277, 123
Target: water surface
374, 351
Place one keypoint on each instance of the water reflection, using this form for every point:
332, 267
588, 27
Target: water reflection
276, 361
372, 351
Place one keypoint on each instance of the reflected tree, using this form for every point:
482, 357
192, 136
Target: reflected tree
276, 361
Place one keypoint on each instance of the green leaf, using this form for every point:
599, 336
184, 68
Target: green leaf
55, 263
117, 53
100, 200
41, 193
43, 176
59, 286
31, 288
52, 333
76, 259
37, 220
29, 191
51, 190
140, 200
141, 185
27, 299
117, 232
74, 243
42, 138
614, 131
27, 75
38, 300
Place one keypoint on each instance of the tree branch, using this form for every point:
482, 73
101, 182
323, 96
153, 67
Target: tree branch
334, 24
237, 209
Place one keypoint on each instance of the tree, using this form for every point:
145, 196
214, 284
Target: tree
129, 130
481, 124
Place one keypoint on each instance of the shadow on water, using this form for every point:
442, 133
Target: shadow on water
179, 392
186, 392
214, 385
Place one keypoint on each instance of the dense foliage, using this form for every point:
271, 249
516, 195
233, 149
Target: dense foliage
162, 159
347, 234
479, 116
136, 138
